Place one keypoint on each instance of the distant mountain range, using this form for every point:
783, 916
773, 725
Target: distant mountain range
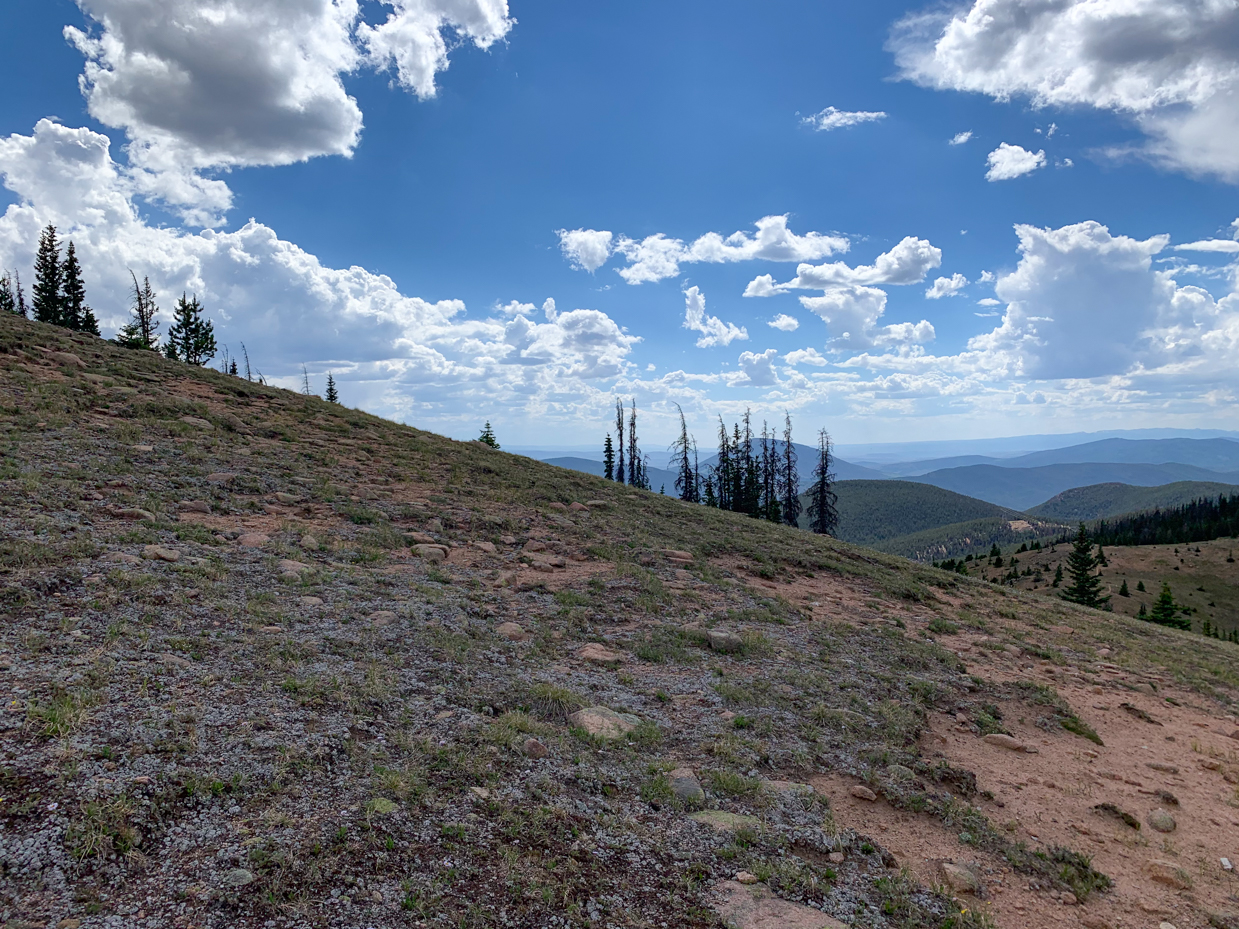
1103, 501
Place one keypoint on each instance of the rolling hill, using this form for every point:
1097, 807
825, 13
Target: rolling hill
658, 477
1021, 488
1101, 501
875, 511
1211, 454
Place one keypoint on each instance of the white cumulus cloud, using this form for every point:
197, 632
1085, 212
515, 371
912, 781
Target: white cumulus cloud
587, 249
947, 287
757, 370
961, 138
805, 356
784, 322
906, 263
1011, 161
713, 330
851, 315
832, 118
1170, 64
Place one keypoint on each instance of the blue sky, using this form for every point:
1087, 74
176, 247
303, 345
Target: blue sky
422, 190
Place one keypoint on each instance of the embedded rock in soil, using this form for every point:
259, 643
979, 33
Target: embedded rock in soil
196, 422
420, 538
755, 907
960, 878
134, 513
1161, 820
220, 477
309, 601
238, 877
289, 567
603, 722
195, 506
535, 749
722, 821
1008, 742
309, 543
674, 555
579, 508
599, 654
253, 540
287, 499
67, 358
121, 558
534, 546
723, 641
487, 547
1168, 873
157, 553
435, 554
512, 632
382, 618
685, 786
864, 793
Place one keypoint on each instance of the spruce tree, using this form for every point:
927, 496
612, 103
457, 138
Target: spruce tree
488, 436
139, 332
608, 459
76, 314
789, 482
1058, 576
191, 338
823, 511
1140, 586
1085, 586
686, 477
47, 298
8, 299
22, 310
619, 430
722, 477
1166, 612
332, 396
1123, 591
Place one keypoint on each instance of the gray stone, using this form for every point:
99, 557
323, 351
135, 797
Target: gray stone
723, 641
238, 877
960, 878
1162, 821
603, 722
685, 786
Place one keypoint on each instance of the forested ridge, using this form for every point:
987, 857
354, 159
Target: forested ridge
1199, 521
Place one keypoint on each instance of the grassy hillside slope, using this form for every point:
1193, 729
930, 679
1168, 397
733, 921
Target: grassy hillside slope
271, 661
872, 511
1101, 501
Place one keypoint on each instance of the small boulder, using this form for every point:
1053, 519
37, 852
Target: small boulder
535, 749
685, 786
195, 506
599, 654
196, 422
134, 513
121, 558
238, 877
746, 878
435, 554
67, 358
487, 547
293, 568
434, 525
253, 540
596, 504
861, 792
420, 538
676, 555
287, 499
754, 906
603, 722
1161, 821
309, 602
220, 477
960, 878
1001, 740
720, 640
1162, 768
382, 618
309, 543
533, 545
578, 507
558, 506
1168, 873
158, 553
512, 632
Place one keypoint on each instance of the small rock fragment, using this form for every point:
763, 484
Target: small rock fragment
723, 641
134, 513
290, 567
220, 477
1168, 873
685, 786
861, 792
121, 558
512, 632
960, 878
535, 749
238, 877
603, 722
158, 553
196, 422
253, 540
1226, 865
1161, 820
487, 547
382, 618
746, 878
309, 543
837, 857
599, 654
195, 506
558, 506
1001, 740
309, 601
1163, 768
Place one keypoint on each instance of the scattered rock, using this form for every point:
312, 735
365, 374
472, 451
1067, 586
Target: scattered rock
533, 545
253, 540
578, 508
220, 477
434, 525
1066, 898
558, 506
176, 661
143, 449
69, 924
685, 786
309, 601
121, 558
67, 358
158, 553
195, 506
723, 641
1095, 922
960, 878
1112, 811
535, 749
238, 877
512, 632
746, 878
309, 543
290, 567
287, 499
420, 538
596, 504
1161, 820
675, 555
1163, 768
1168, 873
1226, 865
860, 792
196, 422
487, 547
134, 513
755, 907
599, 654
382, 618
1138, 713
603, 722
1010, 743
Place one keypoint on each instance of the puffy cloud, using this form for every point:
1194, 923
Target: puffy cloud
989, 301
851, 315
413, 38
757, 370
659, 257
830, 119
713, 330
961, 138
400, 355
805, 356
1171, 64
221, 84
1012, 161
587, 249
947, 287
906, 263
764, 285
783, 322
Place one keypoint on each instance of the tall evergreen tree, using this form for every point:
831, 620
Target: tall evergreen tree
139, 332
74, 311
823, 502
722, 478
488, 436
8, 299
333, 395
22, 310
682, 458
619, 430
789, 483
47, 298
191, 337
636, 464
1085, 588
1167, 613
608, 459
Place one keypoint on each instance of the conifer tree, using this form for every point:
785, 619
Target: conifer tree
823, 511
1085, 586
1140, 586
608, 459
789, 484
686, 476
722, 478
22, 310
1058, 576
488, 436
306, 390
47, 298
1123, 591
333, 395
76, 314
232, 369
139, 332
1166, 612
619, 430
191, 338
8, 299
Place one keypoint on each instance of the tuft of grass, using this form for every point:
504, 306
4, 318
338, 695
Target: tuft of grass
554, 701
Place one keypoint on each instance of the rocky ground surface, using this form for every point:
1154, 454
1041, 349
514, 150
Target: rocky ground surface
271, 662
